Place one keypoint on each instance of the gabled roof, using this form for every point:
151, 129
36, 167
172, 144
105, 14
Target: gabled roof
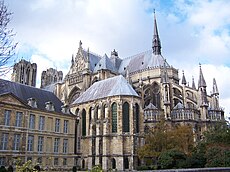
115, 86
24, 92
179, 106
150, 107
142, 61
106, 64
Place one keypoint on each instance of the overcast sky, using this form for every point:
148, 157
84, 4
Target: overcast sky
191, 32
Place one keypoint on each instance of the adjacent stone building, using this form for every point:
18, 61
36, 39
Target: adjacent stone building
34, 125
25, 72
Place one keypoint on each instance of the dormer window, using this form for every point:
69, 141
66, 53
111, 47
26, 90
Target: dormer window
32, 102
49, 106
65, 109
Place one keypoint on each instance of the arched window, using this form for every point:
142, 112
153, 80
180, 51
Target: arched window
125, 117
126, 163
103, 112
114, 117
83, 164
83, 122
136, 117
96, 113
90, 114
113, 163
152, 95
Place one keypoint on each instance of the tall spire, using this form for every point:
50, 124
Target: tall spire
215, 89
156, 44
201, 82
183, 79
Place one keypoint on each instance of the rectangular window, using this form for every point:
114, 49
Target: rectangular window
65, 129
40, 143
57, 125
65, 145
7, 117
50, 126
4, 141
2, 161
39, 160
30, 144
41, 123
18, 121
56, 145
16, 141
64, 161
32, 121
55, 161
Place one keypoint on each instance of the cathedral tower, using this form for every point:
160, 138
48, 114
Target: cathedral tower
25, 72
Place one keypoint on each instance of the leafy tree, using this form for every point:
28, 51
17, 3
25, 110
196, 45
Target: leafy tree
7, 46
163, 138
172, 159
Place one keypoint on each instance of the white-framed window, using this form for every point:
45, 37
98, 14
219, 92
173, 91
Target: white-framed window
40, 143
65, 128
56, 145
16, 142
32, 121
57, 125
18, 120
41, 123
65, 145
4, 141
30, 144
7, 117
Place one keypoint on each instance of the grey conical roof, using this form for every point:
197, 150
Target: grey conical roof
201, 81
115, 86
183, 79
193, 84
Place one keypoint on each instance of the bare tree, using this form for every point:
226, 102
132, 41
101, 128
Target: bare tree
7, 46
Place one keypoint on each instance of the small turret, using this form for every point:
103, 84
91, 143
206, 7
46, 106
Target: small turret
164, 76
72, 61
193, 84
183, 79
201, 81
214, 88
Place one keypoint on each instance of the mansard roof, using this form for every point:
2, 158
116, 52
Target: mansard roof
115, 86
142, 61
24, 92
105, 63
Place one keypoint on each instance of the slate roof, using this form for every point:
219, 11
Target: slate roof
105, 63
114, 86
142, 61
93, 59
23, 92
